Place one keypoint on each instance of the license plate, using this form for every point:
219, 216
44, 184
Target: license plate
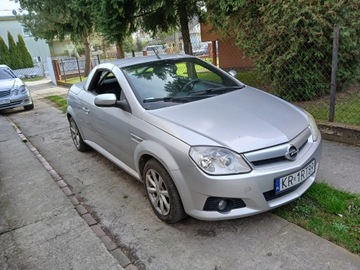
4, 101
290, 180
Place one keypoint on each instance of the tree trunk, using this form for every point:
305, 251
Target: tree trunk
87, 54
119, 50
184, 25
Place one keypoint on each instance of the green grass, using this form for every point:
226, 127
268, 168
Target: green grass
347, 112
250, 77
59, 101
329, 213
74, 80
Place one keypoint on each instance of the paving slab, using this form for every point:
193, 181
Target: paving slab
39, 226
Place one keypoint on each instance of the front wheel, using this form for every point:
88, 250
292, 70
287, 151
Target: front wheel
76, 137
162, 193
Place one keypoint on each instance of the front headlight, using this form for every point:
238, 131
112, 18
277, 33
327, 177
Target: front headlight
23, 90
313, 127
218, 161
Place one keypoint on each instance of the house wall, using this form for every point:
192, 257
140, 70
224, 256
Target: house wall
35, 48
229, 55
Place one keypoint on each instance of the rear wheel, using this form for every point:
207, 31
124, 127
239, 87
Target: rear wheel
76, 137
162, 193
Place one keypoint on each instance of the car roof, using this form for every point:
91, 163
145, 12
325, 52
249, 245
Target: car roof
146, 59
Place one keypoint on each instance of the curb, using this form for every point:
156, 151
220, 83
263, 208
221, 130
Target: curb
338, 132
110, 245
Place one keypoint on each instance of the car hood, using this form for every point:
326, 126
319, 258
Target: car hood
243, 120
7, 84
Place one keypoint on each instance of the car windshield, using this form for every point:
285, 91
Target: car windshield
6, 73
169, 82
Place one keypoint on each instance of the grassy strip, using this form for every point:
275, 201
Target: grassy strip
329, 213
59, 101
34, 79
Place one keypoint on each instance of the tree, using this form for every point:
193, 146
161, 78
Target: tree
165, 15
15, 56
25, 55
50, 20
116, 21
291, 42
4, 53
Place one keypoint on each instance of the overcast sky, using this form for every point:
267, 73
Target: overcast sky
7, 6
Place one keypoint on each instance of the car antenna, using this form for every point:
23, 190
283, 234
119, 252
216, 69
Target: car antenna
156, 53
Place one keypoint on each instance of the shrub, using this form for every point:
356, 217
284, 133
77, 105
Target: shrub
23, 51
291, 42
15, 56
4, 53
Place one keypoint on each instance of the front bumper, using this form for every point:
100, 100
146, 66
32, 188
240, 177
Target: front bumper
195, 187
14, 102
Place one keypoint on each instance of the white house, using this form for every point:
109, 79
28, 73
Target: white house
39, 50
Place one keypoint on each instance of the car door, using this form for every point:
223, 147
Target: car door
109, 126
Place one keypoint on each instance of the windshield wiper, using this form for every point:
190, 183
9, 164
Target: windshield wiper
174, 99
217, 90
195, 95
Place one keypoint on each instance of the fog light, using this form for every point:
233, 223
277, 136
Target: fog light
221, 205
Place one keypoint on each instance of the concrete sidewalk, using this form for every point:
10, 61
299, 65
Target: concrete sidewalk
40, 228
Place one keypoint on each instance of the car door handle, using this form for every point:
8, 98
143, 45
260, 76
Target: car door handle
86, 110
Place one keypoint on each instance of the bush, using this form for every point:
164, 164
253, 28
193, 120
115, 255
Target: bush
24, 53
4, 53
291, 42
15, 56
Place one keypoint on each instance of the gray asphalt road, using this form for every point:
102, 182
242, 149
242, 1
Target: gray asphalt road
118, 201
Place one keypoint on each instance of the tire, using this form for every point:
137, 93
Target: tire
162, 193
29, 107
76, 137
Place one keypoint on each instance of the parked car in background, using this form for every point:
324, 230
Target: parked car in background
13, 91
203, 143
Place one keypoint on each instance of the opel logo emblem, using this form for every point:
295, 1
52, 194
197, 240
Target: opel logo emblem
292, 152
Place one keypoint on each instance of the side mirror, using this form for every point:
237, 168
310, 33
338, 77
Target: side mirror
109, 100
105, 100
233, 73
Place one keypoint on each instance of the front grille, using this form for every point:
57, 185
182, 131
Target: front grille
277, 154
11, 104
5, 93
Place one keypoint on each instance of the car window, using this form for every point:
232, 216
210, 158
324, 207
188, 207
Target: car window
6, 73
172, 81
104, 82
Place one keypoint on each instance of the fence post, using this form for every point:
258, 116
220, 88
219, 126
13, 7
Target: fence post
334, 68
63, 68
78, 66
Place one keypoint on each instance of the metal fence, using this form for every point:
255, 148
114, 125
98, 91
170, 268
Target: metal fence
73, 67
39, 70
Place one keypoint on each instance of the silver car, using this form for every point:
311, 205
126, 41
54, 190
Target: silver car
203, 143
13, 92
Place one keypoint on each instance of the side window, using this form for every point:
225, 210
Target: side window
105, 82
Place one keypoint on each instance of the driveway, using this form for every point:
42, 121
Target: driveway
118, 202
